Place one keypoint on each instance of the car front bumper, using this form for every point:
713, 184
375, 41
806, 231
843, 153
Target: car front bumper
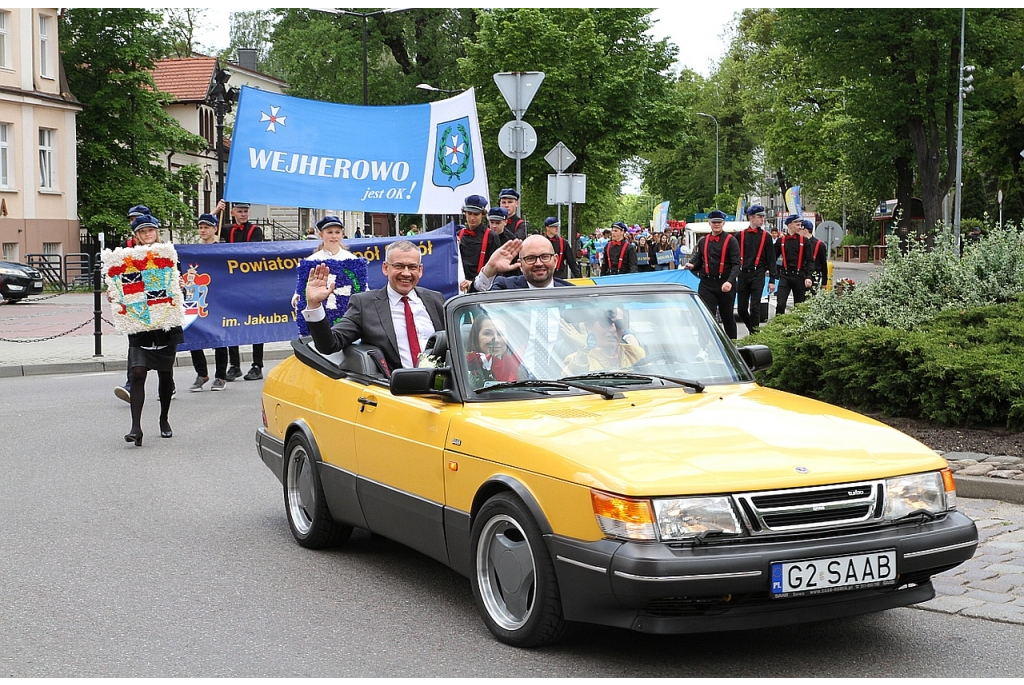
16, 287
658, 588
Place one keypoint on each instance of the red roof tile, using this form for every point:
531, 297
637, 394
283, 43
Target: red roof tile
187, 78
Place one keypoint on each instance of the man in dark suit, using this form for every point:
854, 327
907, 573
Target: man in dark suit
536, 258
398, 319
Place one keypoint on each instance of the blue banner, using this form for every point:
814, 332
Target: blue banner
410, 159
240, 293
681, 276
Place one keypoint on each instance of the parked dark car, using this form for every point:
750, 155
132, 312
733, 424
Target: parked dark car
19, 280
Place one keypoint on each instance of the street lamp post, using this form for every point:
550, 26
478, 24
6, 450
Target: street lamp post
220, 97
716, 149
364, 16
965, 87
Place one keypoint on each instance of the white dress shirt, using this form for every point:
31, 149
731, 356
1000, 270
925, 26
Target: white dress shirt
420, 316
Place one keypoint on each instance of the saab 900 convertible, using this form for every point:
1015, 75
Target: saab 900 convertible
603, 455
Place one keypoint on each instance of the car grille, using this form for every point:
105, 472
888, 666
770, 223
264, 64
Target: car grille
786, 511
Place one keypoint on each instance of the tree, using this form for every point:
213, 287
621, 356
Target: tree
907, 75
124, 135
181, 25
606, 94
320, 53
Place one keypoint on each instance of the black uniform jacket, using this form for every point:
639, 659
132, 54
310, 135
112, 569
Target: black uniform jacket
471, 245
615, 262
757, 252
244, 233
565, 258
797, 258
717, 258
819, 259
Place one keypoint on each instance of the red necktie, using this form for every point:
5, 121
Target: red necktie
410, 330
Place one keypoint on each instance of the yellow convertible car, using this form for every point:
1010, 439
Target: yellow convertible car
603, 455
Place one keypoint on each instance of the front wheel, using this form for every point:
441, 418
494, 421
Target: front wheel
514, 582
304, 501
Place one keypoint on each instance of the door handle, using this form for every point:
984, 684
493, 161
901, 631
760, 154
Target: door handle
366, 402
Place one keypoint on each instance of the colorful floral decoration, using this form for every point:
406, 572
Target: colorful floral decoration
349, 278
144, 286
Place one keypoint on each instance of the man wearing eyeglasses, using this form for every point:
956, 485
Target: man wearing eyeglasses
398, 319
536, 259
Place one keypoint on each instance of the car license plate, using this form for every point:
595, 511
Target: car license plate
37, 284
818, 576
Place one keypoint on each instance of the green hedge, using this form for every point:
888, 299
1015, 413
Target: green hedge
959, 367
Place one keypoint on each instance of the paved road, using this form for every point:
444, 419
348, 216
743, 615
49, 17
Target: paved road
175, 560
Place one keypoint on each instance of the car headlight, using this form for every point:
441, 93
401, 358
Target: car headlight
10, 272
932, 492
686, 517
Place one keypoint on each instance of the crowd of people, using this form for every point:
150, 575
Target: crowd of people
497, 251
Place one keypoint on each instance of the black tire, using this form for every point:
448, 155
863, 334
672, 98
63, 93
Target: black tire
304, 502
513, 579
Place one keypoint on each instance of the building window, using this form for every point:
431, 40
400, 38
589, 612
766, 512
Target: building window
45, 31
5, 155
5, 21
47, 142
53, 248
10, 252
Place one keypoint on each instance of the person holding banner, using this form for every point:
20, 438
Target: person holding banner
332, 232
757, 258
207, 236
398, 319
123, 392
476, 243
508, 199
243, 231
716, 261
619, 253
797, 264
661, 253
565, 256
146, 283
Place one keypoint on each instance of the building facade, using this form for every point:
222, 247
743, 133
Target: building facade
38, 162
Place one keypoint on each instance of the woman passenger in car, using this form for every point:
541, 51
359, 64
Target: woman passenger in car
489, 357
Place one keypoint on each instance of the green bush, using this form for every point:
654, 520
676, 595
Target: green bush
958, 367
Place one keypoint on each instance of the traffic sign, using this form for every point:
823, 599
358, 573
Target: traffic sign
517, 139
567, 189
518, 88
560, 158
830, 233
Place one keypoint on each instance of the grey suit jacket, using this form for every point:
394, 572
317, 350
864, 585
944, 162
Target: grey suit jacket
368, 318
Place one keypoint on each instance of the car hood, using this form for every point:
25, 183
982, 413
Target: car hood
669, 441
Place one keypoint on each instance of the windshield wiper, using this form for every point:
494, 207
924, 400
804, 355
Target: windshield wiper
534, 383
627, 375
923, 514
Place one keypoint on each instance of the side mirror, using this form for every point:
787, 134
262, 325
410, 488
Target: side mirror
425, 381
756, 357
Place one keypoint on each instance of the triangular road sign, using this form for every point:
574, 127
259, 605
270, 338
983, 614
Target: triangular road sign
518, 88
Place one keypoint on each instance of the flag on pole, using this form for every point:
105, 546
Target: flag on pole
659, 221
409, 159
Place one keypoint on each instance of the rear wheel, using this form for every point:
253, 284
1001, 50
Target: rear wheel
514, 582
304, 501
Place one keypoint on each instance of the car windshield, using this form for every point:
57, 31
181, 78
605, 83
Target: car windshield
507, 346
